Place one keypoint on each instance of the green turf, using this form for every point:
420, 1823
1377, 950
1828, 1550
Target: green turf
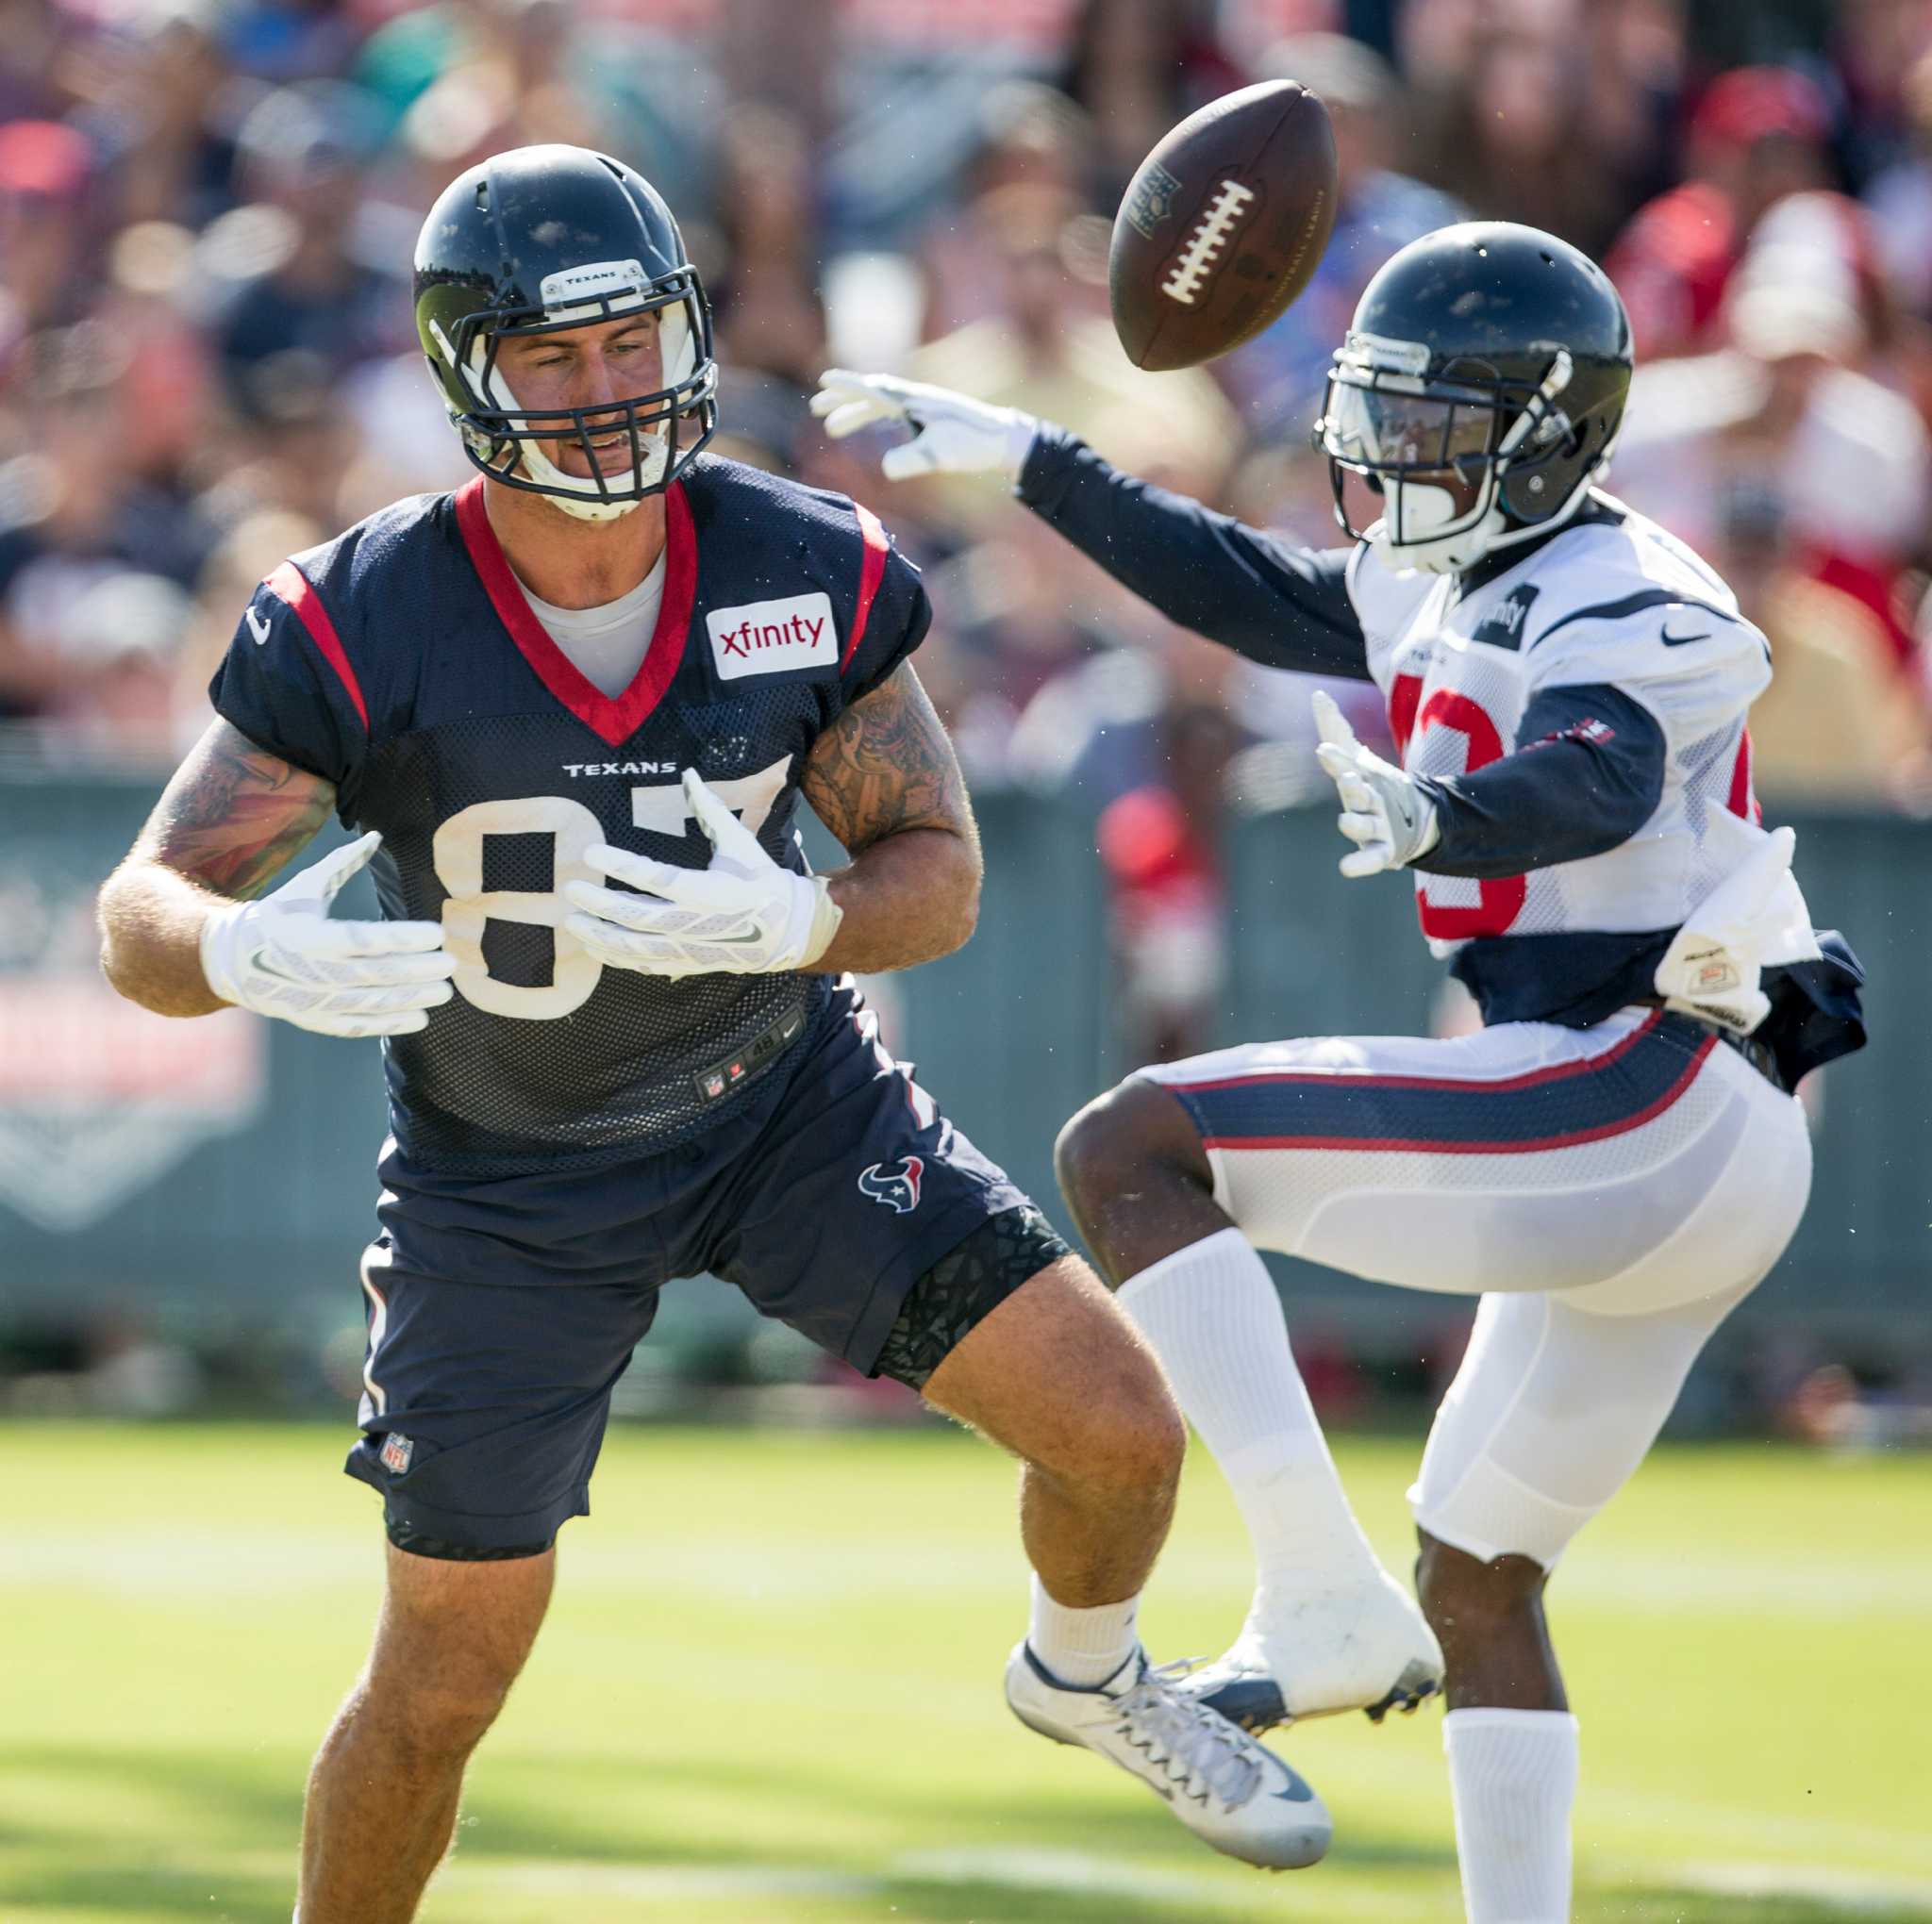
769, 1694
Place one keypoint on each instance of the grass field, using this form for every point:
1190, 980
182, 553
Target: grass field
769, 1692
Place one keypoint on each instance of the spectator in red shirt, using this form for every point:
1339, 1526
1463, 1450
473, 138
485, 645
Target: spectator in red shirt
1758, 135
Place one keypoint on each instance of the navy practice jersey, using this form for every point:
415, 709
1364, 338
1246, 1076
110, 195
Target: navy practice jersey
401, 663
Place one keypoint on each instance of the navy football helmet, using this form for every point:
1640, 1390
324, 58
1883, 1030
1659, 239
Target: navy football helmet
1480, 389
541, 239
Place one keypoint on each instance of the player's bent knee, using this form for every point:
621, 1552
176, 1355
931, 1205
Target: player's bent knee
1122, 1141
1123, 1430
1059, 1375
1124, 1443
436, 1723
437, 1698
1126, 1430
451, 1641
1458, 1592
1142, 1439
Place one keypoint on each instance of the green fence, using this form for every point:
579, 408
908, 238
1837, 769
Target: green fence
219, 1172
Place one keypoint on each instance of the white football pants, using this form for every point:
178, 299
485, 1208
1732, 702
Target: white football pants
1610, 1193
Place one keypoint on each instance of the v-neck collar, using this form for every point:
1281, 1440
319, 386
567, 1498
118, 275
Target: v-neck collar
614, 717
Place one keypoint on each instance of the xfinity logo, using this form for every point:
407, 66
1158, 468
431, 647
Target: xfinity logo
763, 637
1502, 628
574, 769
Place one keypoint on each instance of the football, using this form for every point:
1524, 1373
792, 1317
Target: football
1223, 226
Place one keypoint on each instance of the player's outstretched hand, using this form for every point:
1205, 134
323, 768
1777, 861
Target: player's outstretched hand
284, 957
1385, 812
743, 915
953, 434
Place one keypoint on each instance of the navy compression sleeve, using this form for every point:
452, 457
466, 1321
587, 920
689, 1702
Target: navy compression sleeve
1588, 775
1280, 605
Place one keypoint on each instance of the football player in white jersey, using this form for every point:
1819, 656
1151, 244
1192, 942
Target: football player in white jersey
1615, 1159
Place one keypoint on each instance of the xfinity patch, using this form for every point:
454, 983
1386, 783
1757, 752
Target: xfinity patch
1502, 628
768, 637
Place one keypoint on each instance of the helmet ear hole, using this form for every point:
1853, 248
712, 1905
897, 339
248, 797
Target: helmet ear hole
1533, 493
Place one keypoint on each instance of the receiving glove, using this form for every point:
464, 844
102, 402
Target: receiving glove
953, 435
1385, 812
1754, 919
743, 915
283, 956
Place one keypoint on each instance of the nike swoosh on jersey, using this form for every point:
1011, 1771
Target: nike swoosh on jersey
257, 627
1670, 641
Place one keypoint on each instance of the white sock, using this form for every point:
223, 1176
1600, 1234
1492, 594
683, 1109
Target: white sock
1513, 1775
1083, 1648
1213, 1317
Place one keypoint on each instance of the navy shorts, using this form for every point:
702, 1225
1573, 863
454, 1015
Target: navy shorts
502, 1312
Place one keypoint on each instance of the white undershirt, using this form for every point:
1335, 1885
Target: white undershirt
605, 645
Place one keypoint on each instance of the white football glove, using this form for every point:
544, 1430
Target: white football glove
283, 956
1384, 811
1753, 920
743, 915
953, 434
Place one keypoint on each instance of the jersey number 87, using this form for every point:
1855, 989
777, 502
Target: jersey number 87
457, 853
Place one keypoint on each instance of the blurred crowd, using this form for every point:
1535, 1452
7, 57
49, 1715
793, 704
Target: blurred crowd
207, 361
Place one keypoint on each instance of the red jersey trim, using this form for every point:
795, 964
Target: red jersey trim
1741, 801
293, 587
871, 571
615, 719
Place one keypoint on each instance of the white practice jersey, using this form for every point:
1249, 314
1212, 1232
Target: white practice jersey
1613, 601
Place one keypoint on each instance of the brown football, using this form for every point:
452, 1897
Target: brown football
1223, 226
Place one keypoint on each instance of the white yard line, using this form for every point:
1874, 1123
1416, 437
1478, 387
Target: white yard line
1078, 1873
1850, 1892
1075, 1872
163, 1562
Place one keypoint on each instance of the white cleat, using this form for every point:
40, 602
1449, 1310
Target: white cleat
1363, 1649
1230, 1791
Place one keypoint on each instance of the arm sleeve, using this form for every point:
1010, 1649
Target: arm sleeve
1282, 606
891, 620
279, 688
1588, 775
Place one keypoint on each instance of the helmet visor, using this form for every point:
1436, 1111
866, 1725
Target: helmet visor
1382, 428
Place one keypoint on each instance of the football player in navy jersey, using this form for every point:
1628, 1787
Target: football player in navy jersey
572, 709
1615, 1159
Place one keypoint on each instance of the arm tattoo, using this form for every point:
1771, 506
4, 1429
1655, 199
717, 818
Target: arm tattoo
234, 814
884, 766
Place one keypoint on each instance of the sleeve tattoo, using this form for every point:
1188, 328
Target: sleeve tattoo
886, 766
233, 815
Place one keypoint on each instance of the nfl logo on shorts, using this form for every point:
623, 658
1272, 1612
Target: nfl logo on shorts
397, 1453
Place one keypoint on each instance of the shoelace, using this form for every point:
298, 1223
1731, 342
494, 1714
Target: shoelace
1202, 1751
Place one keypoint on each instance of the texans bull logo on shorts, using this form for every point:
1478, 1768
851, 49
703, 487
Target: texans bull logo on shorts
896, 1184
